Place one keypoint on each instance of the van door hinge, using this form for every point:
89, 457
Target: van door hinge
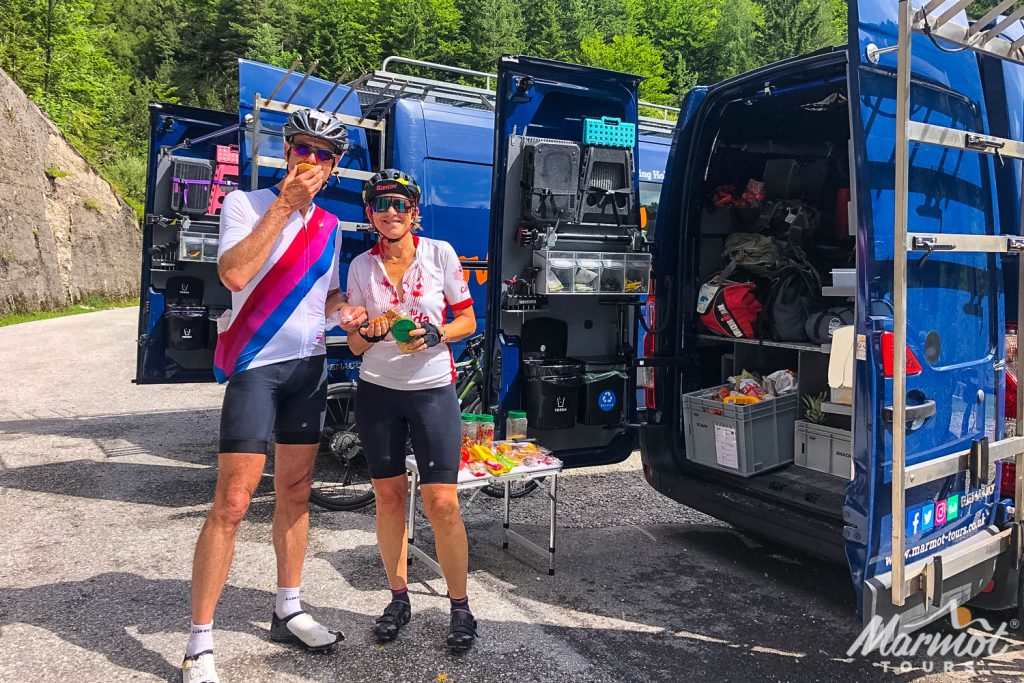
143, 339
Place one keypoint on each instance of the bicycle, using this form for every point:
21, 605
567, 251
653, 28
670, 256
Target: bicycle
341, 479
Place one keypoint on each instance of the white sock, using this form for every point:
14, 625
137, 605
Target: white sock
200, 639
287, 602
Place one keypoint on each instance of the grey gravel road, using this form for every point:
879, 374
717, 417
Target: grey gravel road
105, 485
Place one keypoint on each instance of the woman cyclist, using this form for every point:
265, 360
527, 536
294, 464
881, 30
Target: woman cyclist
411, 392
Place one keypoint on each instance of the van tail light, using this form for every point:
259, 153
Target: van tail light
648, 373
913, 367
1007, 479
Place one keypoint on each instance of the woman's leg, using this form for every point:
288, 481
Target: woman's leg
441, 503
391, 495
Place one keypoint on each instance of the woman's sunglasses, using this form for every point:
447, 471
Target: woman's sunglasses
304, 150
399, 204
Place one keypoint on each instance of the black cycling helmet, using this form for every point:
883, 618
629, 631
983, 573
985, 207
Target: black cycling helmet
317, 124
391, 181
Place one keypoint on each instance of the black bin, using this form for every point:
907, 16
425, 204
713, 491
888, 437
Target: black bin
602, 391
551, 392
187, 327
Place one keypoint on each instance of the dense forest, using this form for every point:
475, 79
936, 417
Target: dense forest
93, 65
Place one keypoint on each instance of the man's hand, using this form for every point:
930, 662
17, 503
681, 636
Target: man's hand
352, 317
299, 187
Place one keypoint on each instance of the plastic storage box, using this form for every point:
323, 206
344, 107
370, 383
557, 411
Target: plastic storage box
613, 274
844, 278
609, 132
191, 181
197, 246
745, 440
638, 273
588, 274
187, 327
602, 391
824, 449
557, 271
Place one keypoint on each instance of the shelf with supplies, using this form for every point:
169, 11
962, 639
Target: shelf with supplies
798, 346
591, 272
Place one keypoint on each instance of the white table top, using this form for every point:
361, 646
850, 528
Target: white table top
468, 480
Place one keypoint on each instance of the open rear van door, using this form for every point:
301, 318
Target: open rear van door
937, 497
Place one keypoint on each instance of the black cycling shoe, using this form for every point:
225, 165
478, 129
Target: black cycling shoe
462, 631
396, 615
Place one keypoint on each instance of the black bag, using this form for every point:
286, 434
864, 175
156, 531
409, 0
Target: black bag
823, 324
793, 298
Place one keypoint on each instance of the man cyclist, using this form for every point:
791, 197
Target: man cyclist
278, 255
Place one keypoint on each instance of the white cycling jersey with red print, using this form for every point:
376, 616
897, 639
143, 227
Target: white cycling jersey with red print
433, 284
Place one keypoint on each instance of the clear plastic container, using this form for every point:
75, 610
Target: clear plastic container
516, 424
638, 273
613, 274
587, 276
210, 244
557, 271
485, 429
190, 246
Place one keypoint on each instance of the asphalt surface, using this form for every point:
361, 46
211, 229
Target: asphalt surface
105, 485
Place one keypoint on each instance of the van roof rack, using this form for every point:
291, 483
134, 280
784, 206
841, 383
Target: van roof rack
380, 88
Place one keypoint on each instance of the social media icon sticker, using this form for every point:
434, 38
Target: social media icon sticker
928, 517
914, 522
952, 508
940, 513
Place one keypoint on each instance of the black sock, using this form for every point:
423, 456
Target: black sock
462, 604
401, 596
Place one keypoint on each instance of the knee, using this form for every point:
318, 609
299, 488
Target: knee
390, 502
230, 507
442, 512
294, 494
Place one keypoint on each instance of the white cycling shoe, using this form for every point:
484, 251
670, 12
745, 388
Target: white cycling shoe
199, 669
303, 630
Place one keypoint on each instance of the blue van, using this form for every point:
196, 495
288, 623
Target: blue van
441, 132
811, 468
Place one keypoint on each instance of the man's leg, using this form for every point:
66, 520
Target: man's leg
293, 472
238, 475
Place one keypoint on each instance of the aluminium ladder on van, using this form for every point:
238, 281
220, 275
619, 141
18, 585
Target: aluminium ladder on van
926, 576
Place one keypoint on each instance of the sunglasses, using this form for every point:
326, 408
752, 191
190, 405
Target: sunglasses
399, 204
304, 150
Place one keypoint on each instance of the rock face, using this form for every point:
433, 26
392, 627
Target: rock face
64, 234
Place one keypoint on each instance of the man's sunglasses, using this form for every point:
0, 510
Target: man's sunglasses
304, 150
399, 204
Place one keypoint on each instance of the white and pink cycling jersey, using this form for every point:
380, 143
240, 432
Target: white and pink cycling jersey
433, 283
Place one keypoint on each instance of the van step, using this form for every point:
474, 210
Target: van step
964, 139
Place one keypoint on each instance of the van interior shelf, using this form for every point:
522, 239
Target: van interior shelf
847, 292
799, 346
837, 408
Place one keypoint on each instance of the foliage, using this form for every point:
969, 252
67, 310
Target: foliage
94, 65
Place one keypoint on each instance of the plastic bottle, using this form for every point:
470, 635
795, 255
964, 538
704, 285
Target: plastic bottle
485, 429
469, 433
516, 424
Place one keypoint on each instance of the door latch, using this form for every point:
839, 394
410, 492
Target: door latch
980, 463
984, 143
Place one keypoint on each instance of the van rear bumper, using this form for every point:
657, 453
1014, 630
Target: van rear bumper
965, 570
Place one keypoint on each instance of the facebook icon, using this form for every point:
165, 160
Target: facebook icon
914, 522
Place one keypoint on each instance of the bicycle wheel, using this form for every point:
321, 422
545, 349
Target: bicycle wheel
517, 489
341, 480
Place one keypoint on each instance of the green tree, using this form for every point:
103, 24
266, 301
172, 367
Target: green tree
733, 46
631, 54
545, 34
491, 28
682, 30
794, 27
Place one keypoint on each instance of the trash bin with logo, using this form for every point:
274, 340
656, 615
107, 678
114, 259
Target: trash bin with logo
187, 327
551, 392
602, 391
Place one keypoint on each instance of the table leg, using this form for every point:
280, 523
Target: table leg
551, 542
504, 531
412, 515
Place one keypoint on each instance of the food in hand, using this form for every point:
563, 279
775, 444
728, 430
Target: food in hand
303, 167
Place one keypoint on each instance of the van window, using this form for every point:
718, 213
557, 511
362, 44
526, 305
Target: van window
650, 194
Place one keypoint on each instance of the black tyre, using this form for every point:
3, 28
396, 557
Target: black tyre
341, 480
517, 489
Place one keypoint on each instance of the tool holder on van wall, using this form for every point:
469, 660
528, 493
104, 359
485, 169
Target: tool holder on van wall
606, 188
936, 20
550, 181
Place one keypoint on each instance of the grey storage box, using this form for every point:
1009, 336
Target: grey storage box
824, 449
744, 440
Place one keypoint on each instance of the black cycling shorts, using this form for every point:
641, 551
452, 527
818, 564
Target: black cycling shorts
386, 418
288, 399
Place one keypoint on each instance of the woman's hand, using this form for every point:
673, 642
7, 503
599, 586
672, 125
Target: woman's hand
352, 317
418, 343
378, 327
